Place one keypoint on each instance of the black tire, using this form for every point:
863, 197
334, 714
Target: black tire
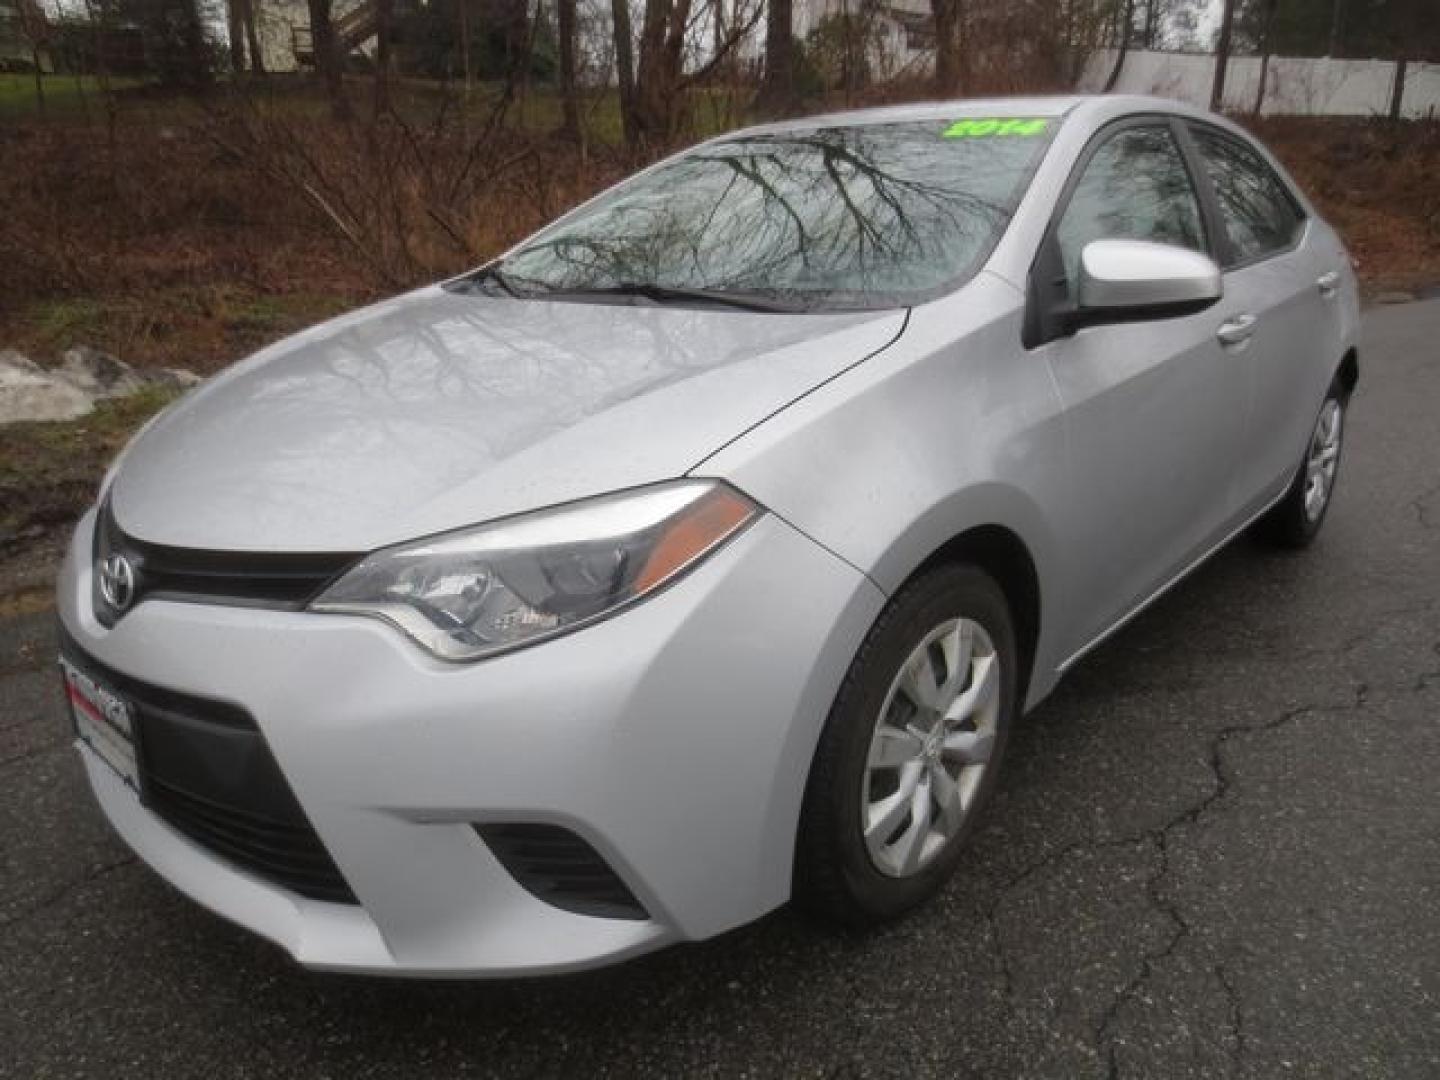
835, 878
1289, 524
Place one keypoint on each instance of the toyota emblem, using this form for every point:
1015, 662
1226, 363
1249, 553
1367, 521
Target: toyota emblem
117, 582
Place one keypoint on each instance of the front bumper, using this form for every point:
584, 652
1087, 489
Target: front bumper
674, 738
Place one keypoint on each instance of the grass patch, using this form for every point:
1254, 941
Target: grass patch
64, 94
49, 471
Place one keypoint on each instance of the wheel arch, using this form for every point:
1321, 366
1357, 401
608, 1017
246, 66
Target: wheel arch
1348, 372
1000, 552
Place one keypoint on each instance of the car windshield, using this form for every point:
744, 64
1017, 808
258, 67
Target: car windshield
877, 215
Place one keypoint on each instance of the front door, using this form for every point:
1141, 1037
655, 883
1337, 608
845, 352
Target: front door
1155, 410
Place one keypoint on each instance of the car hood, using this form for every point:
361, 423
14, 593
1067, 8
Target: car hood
437, 410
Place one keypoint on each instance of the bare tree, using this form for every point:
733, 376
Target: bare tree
656, 98
1266, 32
1337, 21
252, 36
384, 18
569, 99
1222, 55
777, 92
950, 46
1397, 89
325, 47
235, 32
625, 68
35, 29
1126, 29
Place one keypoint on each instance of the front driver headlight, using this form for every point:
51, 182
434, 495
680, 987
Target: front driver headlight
478, 591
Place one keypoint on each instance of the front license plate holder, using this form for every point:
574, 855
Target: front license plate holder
104, 721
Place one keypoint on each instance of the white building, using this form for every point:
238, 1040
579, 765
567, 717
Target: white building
901, 33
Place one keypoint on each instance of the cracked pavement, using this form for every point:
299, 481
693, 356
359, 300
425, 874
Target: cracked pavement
1215, 853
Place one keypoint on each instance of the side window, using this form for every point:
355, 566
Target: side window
1135, 187
1259, 214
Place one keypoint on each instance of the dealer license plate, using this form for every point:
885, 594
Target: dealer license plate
104, 720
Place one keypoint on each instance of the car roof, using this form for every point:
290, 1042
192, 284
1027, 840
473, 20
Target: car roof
1104, 106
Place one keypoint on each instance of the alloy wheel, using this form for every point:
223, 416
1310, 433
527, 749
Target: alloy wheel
1323, 459
932, 743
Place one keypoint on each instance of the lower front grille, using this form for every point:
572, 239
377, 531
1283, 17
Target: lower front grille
555, 865
287, 854
206, 771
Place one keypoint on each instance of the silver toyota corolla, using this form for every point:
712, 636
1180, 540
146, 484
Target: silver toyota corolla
701, 552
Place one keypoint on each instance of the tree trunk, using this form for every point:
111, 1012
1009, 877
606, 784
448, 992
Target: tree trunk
1397, 92
39, 79
462, 9
777, 92
1125, 30
1222, 56
384, 11
1265, 32
195, 52
658, 98
252, 37
326, 50
569, 99
947, 46
625, 68
717, 14
235, 31
1337, 21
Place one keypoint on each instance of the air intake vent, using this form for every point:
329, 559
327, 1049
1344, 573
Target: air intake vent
555, 865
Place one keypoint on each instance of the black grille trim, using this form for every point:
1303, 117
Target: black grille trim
154, 699
287, 581
207, 772
555, 865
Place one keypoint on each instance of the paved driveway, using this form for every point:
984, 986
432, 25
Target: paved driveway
1216, 852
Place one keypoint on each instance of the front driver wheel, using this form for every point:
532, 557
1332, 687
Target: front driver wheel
910, 751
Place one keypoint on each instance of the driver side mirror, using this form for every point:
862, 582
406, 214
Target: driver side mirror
1124, 280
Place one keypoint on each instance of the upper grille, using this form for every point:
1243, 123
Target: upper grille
247, 578
206, 770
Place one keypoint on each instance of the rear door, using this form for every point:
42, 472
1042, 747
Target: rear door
1154, 408
1281, 306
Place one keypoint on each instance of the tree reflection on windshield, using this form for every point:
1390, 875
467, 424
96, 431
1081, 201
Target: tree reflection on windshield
869, 215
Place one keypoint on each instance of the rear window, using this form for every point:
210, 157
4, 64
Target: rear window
1260, 215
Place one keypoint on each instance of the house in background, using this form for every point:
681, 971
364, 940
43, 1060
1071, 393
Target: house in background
284, 30
899, 34
23, 34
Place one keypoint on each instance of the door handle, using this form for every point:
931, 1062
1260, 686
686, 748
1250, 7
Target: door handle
1328, 283
1236, 331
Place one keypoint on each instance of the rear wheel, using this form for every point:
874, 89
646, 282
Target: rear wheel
1296, 519
910, 751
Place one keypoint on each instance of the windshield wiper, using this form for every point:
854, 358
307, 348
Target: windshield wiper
663, 294
506, 282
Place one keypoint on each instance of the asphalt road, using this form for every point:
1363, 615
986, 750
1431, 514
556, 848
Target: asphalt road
1216, 853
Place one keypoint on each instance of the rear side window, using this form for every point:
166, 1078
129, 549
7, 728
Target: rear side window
1259, 213
1134, 187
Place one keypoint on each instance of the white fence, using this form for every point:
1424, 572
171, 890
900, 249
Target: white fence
1293, 86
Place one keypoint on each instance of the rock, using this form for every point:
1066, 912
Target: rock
84, 376
28, 393
98, 373
15, 359
176, 377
